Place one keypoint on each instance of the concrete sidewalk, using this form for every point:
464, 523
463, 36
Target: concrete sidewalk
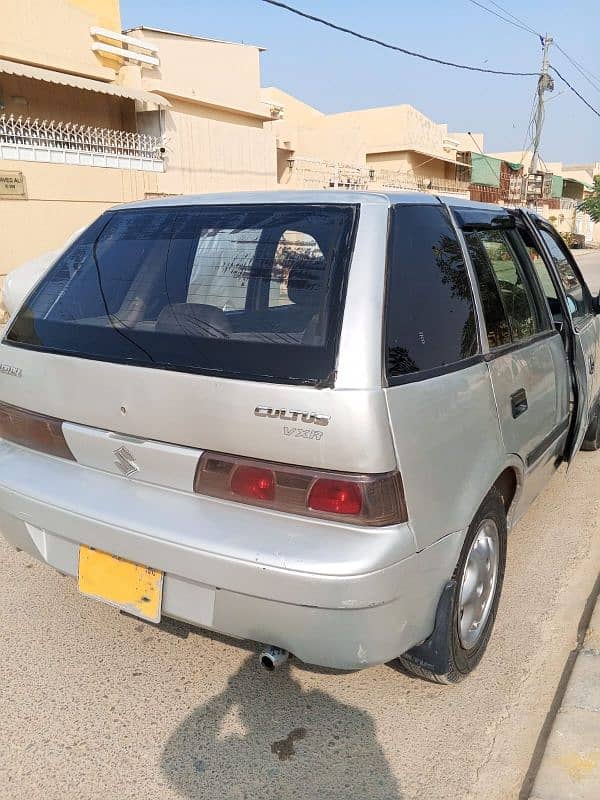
570, 767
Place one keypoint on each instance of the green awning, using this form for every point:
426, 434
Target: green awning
581, 183
557, 186
485, 170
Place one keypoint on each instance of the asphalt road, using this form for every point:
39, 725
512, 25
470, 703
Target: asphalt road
96, 705
589, 261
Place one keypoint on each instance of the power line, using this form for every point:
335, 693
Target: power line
518, 19
525, 28
529, 132
580, 65
592, 79
580, 69
574, 90
371, 39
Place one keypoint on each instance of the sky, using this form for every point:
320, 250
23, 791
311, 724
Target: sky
335, 72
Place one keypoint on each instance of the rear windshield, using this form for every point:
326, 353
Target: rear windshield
240, 291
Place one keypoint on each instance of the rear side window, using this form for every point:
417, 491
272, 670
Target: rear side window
430, 315
243, 290
509, 304
537, 259
578, 298
494, 313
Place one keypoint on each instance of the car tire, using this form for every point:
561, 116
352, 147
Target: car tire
592, 436
458, 642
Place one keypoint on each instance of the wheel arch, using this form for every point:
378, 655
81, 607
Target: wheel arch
509, 482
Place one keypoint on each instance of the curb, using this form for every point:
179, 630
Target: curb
570, 765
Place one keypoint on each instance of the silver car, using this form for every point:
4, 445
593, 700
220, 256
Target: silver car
308, 419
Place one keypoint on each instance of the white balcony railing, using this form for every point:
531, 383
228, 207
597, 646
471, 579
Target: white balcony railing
390, 179
568, 204
26, 139
309, 173
312, 173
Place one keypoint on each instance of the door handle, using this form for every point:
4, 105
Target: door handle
518, 402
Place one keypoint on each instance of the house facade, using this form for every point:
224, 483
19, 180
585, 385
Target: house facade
72, 132
394, 147
91, 116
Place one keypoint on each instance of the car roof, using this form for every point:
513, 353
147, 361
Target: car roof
310, 196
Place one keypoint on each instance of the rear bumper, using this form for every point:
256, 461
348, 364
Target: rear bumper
334, 596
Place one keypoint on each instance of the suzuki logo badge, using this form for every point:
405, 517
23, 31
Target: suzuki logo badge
125, 462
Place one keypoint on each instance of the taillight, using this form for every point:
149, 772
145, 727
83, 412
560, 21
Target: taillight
33, 430
335, 497
253, 483
360, 499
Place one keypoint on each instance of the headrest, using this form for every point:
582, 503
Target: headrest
306, 282
194, 319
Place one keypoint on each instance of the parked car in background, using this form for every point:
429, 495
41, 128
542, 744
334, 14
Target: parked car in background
308, 419
20, 281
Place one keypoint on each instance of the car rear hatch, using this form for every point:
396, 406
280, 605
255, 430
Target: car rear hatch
167, 331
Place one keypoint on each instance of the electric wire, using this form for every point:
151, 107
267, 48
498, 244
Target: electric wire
574, 90
523, 27
589, 76
529, 132
518, 19
389, 46
593, 81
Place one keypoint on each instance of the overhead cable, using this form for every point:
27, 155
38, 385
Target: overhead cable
589, 76
523, 27
373, 40
574, 90
518, 19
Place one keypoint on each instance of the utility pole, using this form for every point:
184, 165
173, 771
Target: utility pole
545, 84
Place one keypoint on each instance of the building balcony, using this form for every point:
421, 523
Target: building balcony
389, 179
26, 139
568, 204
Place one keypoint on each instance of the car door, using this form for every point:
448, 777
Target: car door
524, 346
583, 329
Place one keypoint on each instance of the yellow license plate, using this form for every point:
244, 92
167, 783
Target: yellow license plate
128, 586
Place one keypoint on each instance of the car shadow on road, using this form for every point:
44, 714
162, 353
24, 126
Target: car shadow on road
265, 737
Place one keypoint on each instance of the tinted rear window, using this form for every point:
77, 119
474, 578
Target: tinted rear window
245, 291
430, 315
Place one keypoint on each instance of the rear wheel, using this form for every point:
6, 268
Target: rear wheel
592, 437
467, 608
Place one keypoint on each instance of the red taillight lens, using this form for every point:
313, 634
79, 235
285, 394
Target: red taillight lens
253, 482
36, 431
360, 499
335, 497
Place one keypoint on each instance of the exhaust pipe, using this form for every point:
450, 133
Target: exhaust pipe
273, 657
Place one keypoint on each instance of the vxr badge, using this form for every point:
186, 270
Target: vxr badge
125, 462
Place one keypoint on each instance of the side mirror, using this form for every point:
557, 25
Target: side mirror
571, 305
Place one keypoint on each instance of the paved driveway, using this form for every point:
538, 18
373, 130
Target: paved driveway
96, 705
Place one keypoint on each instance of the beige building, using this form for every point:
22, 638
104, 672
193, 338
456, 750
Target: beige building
69, 146
216, 137
392, 147
402, 145
91, 117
